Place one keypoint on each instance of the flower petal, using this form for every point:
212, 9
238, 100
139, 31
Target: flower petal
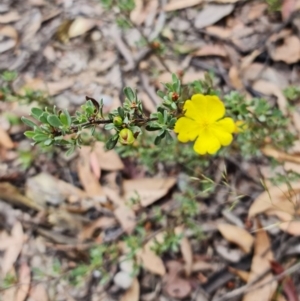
224, 137
227, 124
187, 129
207, 142
207, 108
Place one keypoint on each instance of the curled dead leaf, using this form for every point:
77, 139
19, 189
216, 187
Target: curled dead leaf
126, 217
180, 4
9, 17
5, 140
80, 26
212, 13
186, 250
211, 50
283, 198
12, 252
149, 190
269, 88
265, 287
238, 236
288, 52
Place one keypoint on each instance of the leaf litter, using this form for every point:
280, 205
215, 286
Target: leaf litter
63, 206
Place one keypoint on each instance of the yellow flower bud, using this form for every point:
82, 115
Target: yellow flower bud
126, 137
118, 121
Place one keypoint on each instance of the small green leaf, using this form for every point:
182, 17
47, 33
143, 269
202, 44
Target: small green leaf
63, 119
157, 140
43, 117
28, 122
95, 103
161, 94
48, 142
109, 126
111, 142
37, 112
121, 112
40, 137
173, 105
165, 116
160, 118
129, 94
54, 121
69, 119
29, 134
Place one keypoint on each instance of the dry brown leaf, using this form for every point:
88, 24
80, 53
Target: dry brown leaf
289, 166
12, 16
12, 195
247, 60
88, 180
94, 163
135, 14
269, 88
107, 160
39, 293
283, 197
180, 4
5, 140
235, 78
288, 223
43, 188
260, 264
256, 11
9, 31
143, 11
150, 261
12, 252
24, 280
211, 50
237, 235
279, 155
244, 275
257, 71
133, 293
200, 266
103, 222
212, 13
186, 250
149, 190
288, 52
51, 88
7, 45
219, 31
126, 218
80, 26
33, 26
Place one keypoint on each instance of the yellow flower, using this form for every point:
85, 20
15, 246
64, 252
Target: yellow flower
203, 120
240, 126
